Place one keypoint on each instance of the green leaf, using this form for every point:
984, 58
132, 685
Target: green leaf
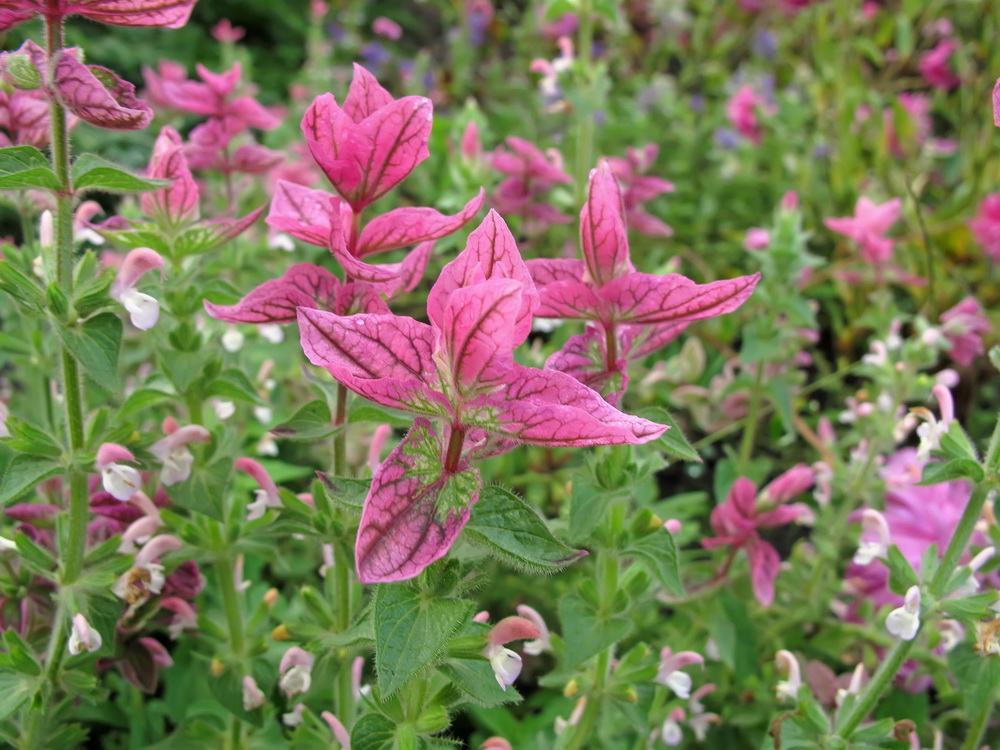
673, 440
978, 678
735, 635
27, 438
19, 655
586, 632
411, 630
20, 286
373, 732
15, 689
37, 558
233, 383
475, 678
901, 574
937, 472
141, 400
514, 532
25, 167
956, 444
96, 343
205, 489
183, 368
969, 609
312, 422
588, 502
362, 411
23, 474
91, 172
659, 552
141, 236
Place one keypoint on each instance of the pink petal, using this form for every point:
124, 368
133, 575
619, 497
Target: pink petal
602, 229
547, 407
252, 113
19, 13
260, 476
764, 566
490, 253
408, 226
156, 547
584, 357
743, 497
302, 212
996, 103
411, 270
169, 13
384, 358
217, 231
403, 528
295, 657
177, 203
513, 629
276, 301
109, 453
640, 341
365, 95
325, 127
137, 263
160, 655
357, 297
644, 298
478, 324
97, 95
252, 158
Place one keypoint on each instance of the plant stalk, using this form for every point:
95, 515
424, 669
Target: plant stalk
339, 438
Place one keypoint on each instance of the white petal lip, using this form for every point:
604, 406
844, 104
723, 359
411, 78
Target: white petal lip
143, 310
121, 481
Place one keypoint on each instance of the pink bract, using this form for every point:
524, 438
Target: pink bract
169, 13
986, 226
458, 371
633, 314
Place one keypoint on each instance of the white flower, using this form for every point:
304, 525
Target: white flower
272, 332
143, 310
904, 622
788, 689
253, 696
671, 733
294, 717
872, 522
263, 414
121, 481
224, 410
232, 340
506, 665
83, 637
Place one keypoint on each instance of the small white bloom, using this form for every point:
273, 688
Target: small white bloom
788, 689
273, 333
253, 696
143, 310
281, 241
294, 717
671, 734
263, 414
267, 446
232, 340
904, 622
259, 506
121, 481
224, 410
506, 665
4, 414
296, 680
83, 637
874, 524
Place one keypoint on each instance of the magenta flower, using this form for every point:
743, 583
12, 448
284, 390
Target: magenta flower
213, 97
986, 226
963, 327
225, 32
996, 103
742, 110
867, 227
531, 174
459, 376
737, 522
169, 13
166, 70
632, 314
934, 67
638, 188
366, 148
387, 27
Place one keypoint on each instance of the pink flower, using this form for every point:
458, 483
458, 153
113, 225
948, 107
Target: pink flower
225, 32
787, 664
387, 27
296, 671
83, 637
173, 453
340, 732
531, 174
669, 673
169, 13
736, 523
757, 239
986, 225
24, 118
934, 68
963, 327
867, 227
918, 109
253, 696
506, 663
123, 482
742, 110
214, 97
267, 495
143, 310
638, 188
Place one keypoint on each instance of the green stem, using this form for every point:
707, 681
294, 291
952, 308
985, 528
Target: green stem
339, 438
194, 406
343, 612
974, 738
901, 649
585, 121
231, 605
583, 733
753, 417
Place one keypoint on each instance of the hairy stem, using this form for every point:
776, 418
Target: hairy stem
753, 418
339, 437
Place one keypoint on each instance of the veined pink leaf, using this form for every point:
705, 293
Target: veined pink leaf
602, 229
97, 95
177, 203
411, 270
212, 233
252, 158
490, 253
638, 341
307, 214
414, 510
644, 298
550, 270
408, 226
385, 358
478, 324
547, 407
276, 301
584, 358
358, 297
572, 300
365, 95
169, 13
325, 126
387, 145
764, 567
19, 12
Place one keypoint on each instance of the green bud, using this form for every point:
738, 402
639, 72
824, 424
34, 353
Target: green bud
433, 720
